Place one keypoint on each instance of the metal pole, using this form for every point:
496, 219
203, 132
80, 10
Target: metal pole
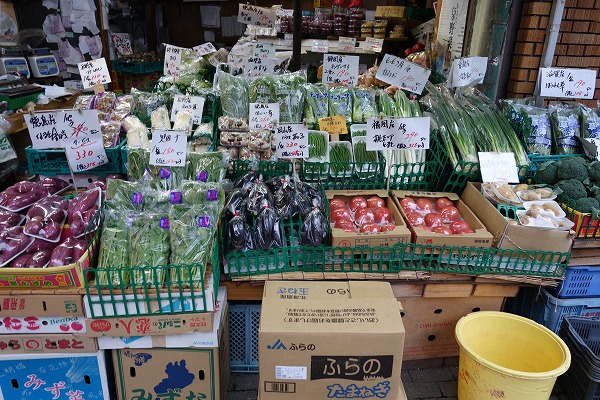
558, 7
297, 40
511, 30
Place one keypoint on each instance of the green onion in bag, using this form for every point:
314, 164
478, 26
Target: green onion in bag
386, 104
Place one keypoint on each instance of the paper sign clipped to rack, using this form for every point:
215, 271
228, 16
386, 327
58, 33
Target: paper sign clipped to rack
193, 104
263, 115
333, 125
169, 148
403, 74
467, 71
253, 15
373, 44
320, 46
256, 66
94, 72
83, 146
204, 49
340, 69
346, 44
498, 167
292, 140
172, 60
567, 83
264, 50
46, 130
398, 133
122, 43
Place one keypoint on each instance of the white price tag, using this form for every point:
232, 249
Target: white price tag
264, 116
83, 145
373, 44
403, 74
340, 69
346, 44
498, 167
292, 140
169, 148
288, 39
264, 50
122, 43
172, 60
398, 133
204, 49
253, 15
567, 83
320, 46
284, 12
46, 130
94, 73
256, 66
194, 104
467, 71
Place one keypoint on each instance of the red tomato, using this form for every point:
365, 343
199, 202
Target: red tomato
443, 230
387, 227
340, 213
375, 202
459, 227
442, 202
382, 215
415, 219
408, 204
357, 202
336, 203
364, 216
424, 205
370, 228
345, 224
433, 220
450, 213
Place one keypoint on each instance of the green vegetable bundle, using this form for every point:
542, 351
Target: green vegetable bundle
162, 178
340, 158
144, 103
234, 95
386, 104
149, 246
289, 93
261, 90
340, 102
590, 122
362, 155
205, 167
120, 195
114, 250
316, 105
565, 128
365, 104
536, 129
317, 144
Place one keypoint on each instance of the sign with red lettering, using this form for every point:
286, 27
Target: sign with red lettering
398, 133
169, 148
292, 140
253, 15
340, 69
83, 145
94, 72
403, 74
264, 116
567, 83
172, 60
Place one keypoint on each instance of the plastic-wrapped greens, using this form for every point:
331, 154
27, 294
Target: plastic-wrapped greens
144, 103
590, 122
290, 96
164, 178
114, 249
183, 121
565, 127
314, 228
340, 102
386, 104
234, 95
206, 167
267, 234
261, 90
316, 104
364, 104
535, 128
237, 233
160, 118
124, 195
149, 246
137, 133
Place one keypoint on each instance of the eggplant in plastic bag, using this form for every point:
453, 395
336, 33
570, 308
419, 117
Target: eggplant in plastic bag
245, 180
236, 202
268, 233
314, 228
237, 233
258, 194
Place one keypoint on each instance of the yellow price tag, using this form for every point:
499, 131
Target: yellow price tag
317, 3
333, 125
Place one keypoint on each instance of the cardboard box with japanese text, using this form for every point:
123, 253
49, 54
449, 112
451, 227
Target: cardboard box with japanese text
49, 343
322, 340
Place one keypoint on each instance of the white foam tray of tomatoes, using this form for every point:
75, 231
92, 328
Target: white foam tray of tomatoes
361, 215
439, 216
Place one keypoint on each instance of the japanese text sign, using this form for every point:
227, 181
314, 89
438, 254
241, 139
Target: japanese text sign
259, 16
292, 140
398, 133
467, 71
169, 148
46, 130
257, 66
373, 44
333, 125
264, 50
83, 145
264, 116
122, 43
94, 73
193, 104
346, 44
172, 60
402, 73
498, 167
340, 69
204, 49
567, 83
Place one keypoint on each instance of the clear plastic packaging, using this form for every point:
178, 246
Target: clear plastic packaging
46, 218
160, 118
565, 127
234, 93
22, 195
149, 246
111, 131
314, 228
137, 133
81, 210
340, 102
267, 233
289, 92
13, 242
317, 103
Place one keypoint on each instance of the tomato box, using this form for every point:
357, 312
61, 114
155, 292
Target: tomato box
480, 237
341, 238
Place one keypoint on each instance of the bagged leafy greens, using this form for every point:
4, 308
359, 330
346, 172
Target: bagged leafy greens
340, 102
365, 105
316, 105
234, 95
261, 90
289, 93
590, 122
206, 167
535, 128
149, 246
565, 127
114, 250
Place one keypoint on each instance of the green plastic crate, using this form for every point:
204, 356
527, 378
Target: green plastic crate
537, 160
354, 175
268, 169
416, 176
15, 103
451, 178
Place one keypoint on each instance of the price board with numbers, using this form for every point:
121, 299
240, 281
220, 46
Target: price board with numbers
398, 133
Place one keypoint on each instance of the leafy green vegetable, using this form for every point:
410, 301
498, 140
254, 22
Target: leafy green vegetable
535, 129
316, 105
114, 251
565, 128
205, 167
234, 95
289, 93
340, 158
149, 246
386, 104
365, 105
162, 178
340, 102
261, 90
590, 122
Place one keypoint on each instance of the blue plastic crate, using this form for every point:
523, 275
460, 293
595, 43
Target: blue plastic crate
244, 320
579, 282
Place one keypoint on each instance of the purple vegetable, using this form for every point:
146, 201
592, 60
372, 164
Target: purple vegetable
77, 226
11, 246
41, 245
34, 225
22, 261
51, 230
79, 250
40, 259
21, 201
8, 218
10, 232
87, 200
97, 184
88, 214
63, 253
54, 184
24, 186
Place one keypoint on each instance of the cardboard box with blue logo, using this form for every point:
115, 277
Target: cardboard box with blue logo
337, 340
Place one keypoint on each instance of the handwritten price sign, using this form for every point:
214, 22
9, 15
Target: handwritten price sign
169, 148
83, 145
292, 140
333, 125
264, 50
122, 43
264, 116
402, 73
398, 133
374, 44
204, 49
259, 16
498, 167
193, 104
46, 130
467, 71
346, 44
340, 69
257, 66
567, 83
172, 60
94, 73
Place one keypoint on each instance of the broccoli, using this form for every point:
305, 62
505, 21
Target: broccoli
585, 204
572, 188
547, 173
594, 171
572, 168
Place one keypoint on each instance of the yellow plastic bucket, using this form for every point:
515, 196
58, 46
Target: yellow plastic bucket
504, 356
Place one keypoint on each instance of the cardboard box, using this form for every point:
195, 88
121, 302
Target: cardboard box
12, 305
430, 323
513, 236
155, 372
58, 376
481, 237
390, 12
340, 238
50, 343
171, 340
40, 325
331, 338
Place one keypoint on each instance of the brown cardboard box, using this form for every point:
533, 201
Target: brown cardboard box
56, 305
169, 324
430, 323
401, 393
340, 238
47, 343
481, 237
512, 236
390, 12
322, 340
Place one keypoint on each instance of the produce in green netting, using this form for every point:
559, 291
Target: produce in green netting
261, 90
114, 250
206, 167
547, 173
573, 168
340, 158
364, 104
317, 145
289, 93
149, 246
234, 95
316, 102
590, 122
572, 188
565, 127
340, 102
386, 104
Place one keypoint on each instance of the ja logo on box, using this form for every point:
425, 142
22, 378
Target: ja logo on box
278, 345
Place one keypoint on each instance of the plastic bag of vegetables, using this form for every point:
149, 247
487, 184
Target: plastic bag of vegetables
236, 234
565, 127
261, 90
114, 250
149, 246
144, 103
206, 167
267, 234
314, 228
386, 104
590, 122
340, 102
289, 93
316, 104
234, 95
259, 195
364, 104
535, 128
